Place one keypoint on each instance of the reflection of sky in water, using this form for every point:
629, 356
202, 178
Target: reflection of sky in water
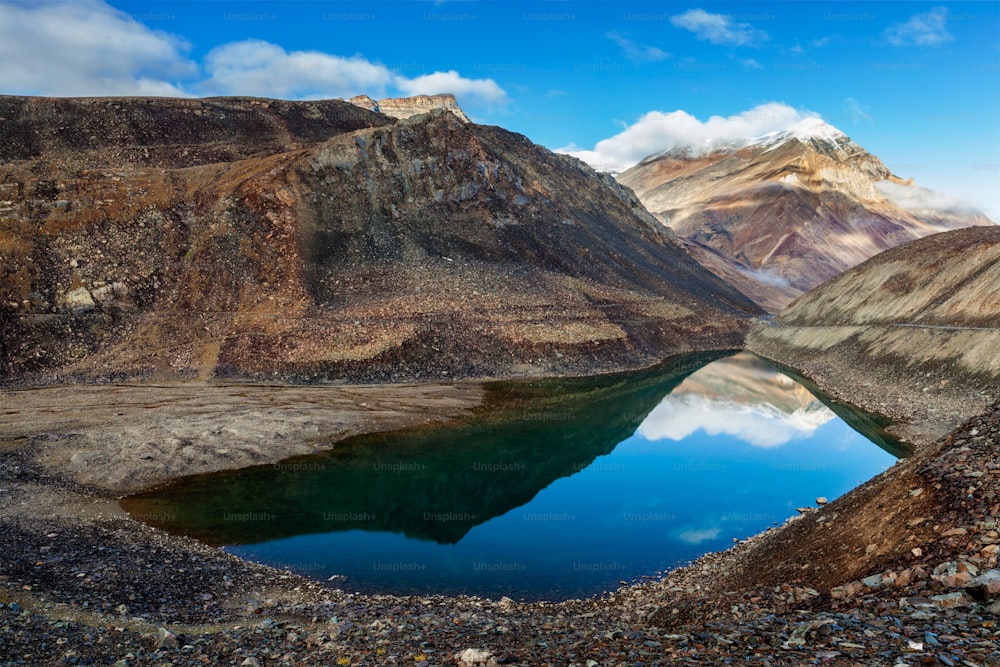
700, 471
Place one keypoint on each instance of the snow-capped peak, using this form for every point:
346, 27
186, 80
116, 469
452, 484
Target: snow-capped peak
807, 129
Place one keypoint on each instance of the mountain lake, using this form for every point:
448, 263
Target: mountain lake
553, 489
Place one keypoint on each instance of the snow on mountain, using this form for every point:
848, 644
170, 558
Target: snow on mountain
812, 130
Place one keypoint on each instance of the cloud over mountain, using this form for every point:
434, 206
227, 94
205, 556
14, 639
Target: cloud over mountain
88, 48
659, 131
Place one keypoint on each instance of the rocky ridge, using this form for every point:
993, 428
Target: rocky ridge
342, 246
782, 213
404, 107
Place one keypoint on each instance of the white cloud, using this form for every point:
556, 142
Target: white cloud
85, 47
928, 29
468, 91
763, 425
657, 131
638, 53
258, 68
765, 276
857, 112
917, 199
750, 63
718, 28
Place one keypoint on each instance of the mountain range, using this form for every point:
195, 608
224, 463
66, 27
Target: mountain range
782, 213
320, 241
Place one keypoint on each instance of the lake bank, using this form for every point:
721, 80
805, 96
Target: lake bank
105, 584
926, 379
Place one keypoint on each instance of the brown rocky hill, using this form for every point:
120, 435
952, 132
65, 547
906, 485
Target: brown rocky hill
74, 133
779, 215
913, 332
317, 241
947, 280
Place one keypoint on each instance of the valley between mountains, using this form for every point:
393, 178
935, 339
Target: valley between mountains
191, 285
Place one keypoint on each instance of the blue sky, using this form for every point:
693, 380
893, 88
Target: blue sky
918, 84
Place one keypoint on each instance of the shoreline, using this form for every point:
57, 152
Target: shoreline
111, 583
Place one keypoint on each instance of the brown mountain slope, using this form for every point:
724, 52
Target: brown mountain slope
429, 247
783, 214
950, 279
163, 132
913, 332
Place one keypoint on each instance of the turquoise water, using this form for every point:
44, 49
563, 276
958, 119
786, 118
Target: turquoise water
559, 489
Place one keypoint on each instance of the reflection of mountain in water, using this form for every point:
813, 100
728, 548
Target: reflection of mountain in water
432, 483
741, 396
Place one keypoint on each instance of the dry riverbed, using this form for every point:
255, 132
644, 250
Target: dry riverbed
899, 571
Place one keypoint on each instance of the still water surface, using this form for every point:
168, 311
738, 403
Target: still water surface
556, 489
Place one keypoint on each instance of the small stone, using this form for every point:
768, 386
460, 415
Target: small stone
873, 581
821, 501
954, 532
950, 600
473, 656
250, 662
80, 301
959, 580
991, 580
917, 552
166, 639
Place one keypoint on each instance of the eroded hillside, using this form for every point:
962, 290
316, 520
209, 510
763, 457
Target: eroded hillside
338, 246
913, 332
788, 211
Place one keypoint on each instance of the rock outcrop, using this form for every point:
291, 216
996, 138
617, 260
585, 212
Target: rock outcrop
339, 247
913, 332
404, 107
783, 213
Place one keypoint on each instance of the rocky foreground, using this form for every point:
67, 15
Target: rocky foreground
902, 570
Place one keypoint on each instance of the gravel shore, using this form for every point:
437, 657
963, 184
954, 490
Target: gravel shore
903, 570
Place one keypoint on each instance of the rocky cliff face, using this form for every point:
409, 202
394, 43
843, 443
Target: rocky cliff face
913, 332
69, 134
781, 214
337, 246
404, 107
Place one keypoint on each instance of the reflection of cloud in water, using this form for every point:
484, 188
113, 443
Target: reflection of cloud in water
761, 425
699, 536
